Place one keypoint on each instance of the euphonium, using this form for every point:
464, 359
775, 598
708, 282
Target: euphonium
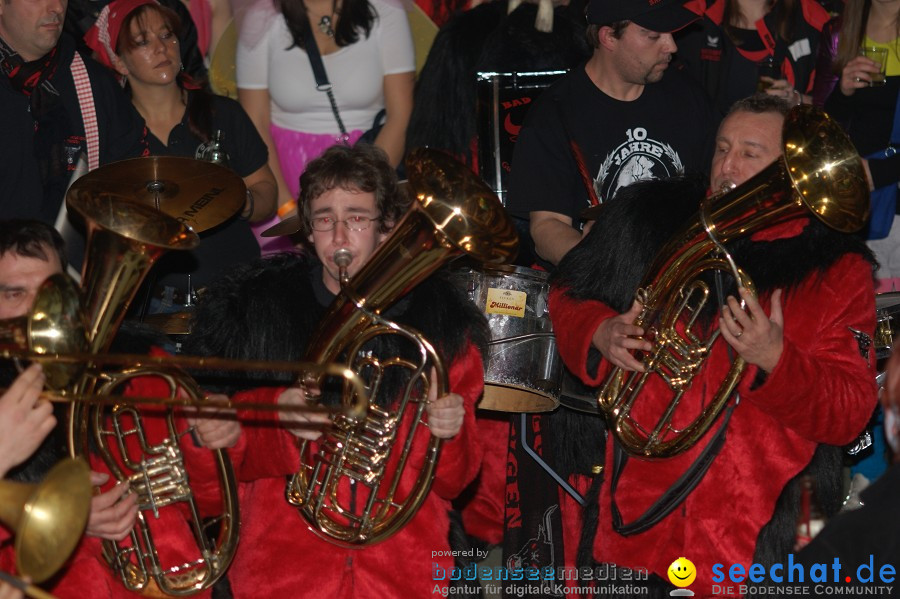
124, 239
819, 173
454, 214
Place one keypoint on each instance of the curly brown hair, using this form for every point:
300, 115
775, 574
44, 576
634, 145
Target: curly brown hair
363, 167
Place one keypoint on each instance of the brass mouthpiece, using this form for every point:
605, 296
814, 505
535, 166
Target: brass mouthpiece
342, 259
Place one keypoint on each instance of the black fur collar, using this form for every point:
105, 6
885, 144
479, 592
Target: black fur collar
268, 310
609, 264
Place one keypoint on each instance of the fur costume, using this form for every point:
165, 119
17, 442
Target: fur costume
827, 282
281, 300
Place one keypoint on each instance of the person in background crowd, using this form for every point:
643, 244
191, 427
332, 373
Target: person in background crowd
367, 53
616, 111
744, 46
55, 106
870, 114
179, 119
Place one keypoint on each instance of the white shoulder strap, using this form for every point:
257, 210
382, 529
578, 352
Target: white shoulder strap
88, 112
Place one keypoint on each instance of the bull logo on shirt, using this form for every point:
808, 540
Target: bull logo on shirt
640, 158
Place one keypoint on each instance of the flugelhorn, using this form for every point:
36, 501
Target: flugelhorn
819, 175
455, 213
48, 518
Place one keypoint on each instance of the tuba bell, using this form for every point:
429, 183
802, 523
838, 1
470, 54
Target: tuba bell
124, 239
455, 213
53, 326
819, 174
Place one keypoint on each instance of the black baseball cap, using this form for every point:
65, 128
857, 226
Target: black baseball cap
662, 16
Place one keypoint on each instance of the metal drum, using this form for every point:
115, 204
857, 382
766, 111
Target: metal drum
524, 369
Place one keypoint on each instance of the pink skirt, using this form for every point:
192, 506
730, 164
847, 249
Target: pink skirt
295, 150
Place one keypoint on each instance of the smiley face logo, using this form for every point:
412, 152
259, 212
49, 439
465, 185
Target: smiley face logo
682, 572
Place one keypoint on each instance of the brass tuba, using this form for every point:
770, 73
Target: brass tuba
819, 173
455, 213
124, 239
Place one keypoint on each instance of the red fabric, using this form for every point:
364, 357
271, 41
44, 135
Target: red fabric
103, 43
821, 391
280, 557
483, 513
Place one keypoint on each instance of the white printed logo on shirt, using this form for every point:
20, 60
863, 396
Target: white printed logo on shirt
638, 159
799, 49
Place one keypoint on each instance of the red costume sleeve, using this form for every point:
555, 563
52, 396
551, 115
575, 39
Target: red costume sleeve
270, 450
461, 456
574, 324
822, 388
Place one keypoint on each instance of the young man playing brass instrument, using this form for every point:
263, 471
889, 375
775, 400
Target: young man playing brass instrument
805, 336
349, 202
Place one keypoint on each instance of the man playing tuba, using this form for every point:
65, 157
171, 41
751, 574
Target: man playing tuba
809, 380
269, 310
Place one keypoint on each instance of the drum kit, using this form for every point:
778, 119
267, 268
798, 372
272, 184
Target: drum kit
199, 194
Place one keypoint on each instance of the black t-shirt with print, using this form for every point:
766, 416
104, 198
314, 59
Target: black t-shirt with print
232, 241
667, 131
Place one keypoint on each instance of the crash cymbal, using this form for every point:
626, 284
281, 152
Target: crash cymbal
288, 226
176, 323
199, 194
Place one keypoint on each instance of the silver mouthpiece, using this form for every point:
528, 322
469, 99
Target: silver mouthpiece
343, 257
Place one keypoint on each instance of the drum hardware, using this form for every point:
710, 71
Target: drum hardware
197, 193
503, 100
523, 436
887, 314
48, 518
819, 174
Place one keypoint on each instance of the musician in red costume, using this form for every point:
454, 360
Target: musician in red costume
30, 252
269, 310
809, 380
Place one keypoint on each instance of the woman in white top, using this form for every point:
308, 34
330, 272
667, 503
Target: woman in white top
367, 51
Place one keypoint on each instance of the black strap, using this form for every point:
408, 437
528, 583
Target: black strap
322, 83
671, 499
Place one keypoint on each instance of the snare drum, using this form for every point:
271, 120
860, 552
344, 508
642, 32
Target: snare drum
524, 369
887, 313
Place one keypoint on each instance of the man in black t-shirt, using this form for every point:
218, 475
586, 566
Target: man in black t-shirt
623, 111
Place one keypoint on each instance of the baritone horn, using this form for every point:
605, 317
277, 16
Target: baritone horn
124, 240
819, 174
454, 213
